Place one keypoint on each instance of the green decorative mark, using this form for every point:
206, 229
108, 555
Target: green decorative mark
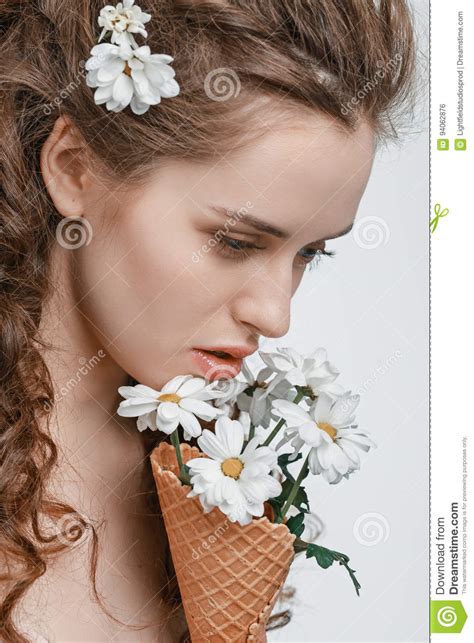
438, 215
447, 617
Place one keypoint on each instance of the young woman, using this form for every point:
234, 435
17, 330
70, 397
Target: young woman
135, 244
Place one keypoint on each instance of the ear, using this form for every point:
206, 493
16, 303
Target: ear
63, 168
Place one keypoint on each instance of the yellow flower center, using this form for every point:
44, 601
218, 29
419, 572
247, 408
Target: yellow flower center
330, 430
127, 69
169, 397
232, 467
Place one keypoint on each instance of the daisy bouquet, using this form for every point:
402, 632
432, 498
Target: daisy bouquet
235, 507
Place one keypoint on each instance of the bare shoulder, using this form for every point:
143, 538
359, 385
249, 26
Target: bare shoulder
131, 579
76, 616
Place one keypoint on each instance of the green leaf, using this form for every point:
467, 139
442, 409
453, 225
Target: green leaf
300, 501
306, 391
296, 524
283, 461
325, 558
250, 390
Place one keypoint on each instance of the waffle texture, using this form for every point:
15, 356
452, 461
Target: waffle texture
229, 576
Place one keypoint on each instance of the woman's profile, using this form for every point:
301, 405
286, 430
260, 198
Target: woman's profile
140, 244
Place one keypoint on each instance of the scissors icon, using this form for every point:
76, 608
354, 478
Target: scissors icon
439, 213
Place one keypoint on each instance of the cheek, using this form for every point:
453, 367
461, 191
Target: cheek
145, 298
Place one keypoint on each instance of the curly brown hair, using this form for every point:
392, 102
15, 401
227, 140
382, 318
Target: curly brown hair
347, 59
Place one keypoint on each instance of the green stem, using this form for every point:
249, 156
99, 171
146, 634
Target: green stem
294, 489
298, 397
175, 441
251, 431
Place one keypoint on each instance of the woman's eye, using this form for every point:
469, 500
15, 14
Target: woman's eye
240, 250
312, 256
236, 248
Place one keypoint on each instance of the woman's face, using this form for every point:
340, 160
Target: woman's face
176, 271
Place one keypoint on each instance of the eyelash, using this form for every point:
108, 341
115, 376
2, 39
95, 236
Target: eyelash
240, 254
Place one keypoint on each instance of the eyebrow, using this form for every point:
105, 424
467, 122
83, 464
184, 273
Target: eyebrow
263, 226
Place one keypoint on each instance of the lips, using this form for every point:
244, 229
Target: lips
213, 367
235, 351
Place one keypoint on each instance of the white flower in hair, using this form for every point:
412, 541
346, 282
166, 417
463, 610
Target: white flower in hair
123, 20
125, 76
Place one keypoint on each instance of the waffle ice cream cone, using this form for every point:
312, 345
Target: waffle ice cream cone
229, 575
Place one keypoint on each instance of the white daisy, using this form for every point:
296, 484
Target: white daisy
226, 392
258, 394
286, 362
313, 371
123, 20
236, 481
328, 429
181, 401
125, 76
245, 421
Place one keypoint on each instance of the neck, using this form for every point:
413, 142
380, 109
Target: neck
105, 450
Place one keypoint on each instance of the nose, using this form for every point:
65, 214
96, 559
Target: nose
263, 305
